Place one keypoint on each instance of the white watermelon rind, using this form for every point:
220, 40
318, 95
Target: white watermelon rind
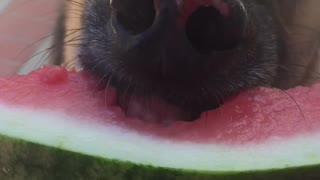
41, 144
34, 161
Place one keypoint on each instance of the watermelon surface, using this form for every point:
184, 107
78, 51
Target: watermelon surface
56, 124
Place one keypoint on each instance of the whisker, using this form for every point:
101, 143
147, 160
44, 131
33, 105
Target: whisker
110, 79
107, 88
298, 106
34, 43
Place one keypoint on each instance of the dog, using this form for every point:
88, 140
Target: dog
190, 53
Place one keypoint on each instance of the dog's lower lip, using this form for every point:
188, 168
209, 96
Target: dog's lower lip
153, 110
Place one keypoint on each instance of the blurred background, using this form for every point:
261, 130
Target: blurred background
25, 29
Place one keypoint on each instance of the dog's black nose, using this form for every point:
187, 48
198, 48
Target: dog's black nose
188, 26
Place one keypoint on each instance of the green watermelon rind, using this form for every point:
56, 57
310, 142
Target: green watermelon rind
27, 160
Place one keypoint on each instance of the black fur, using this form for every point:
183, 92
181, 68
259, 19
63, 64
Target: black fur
146, 55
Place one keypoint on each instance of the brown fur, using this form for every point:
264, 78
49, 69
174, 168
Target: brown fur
72, 11
301, 22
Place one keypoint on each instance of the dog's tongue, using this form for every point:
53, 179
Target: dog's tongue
187, 7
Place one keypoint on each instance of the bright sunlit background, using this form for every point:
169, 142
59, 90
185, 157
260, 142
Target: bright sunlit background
23, 25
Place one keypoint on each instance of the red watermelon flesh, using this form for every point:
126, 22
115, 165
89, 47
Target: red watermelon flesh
253, 116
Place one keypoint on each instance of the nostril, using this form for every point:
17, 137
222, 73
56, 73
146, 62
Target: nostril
209, 30
135, 17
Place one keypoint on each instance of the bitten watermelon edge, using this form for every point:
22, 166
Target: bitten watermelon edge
39, 141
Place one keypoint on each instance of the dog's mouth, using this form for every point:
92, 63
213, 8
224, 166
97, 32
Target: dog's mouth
154, 110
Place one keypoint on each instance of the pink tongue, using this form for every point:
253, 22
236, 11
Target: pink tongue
252, 116
187, 7
154, 111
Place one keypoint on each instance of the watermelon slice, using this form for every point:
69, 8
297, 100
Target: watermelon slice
56, 124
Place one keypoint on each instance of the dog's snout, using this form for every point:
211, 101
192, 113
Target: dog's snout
197, 26
189, 53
